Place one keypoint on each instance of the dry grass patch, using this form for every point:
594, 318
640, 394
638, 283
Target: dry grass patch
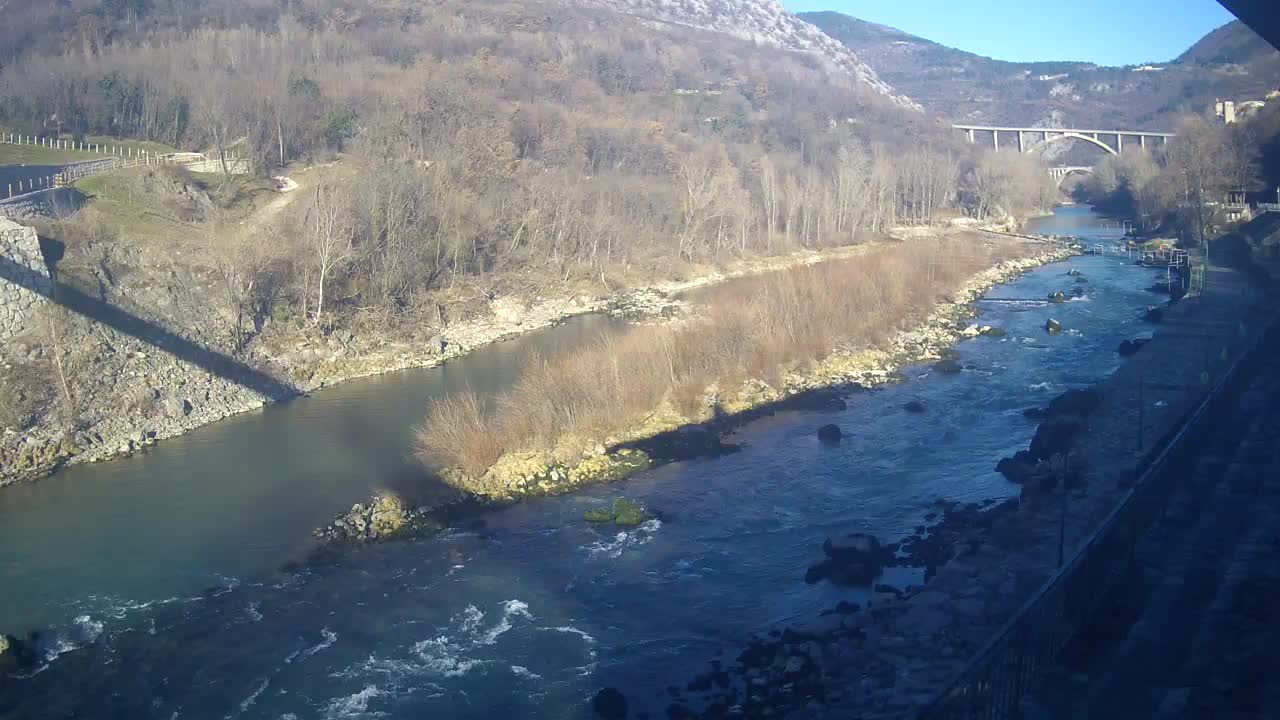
758, 330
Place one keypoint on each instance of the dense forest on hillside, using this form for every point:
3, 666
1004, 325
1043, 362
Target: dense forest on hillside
482, 136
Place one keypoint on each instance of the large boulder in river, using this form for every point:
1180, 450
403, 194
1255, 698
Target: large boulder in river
1017, 469
1057, 298
947, 366
1075, 402
829, 434
629, 513
1055, 435
610, 704
1130, 347
1053, 327
856, 559
914, 406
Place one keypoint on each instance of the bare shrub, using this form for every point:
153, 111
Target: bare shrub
759, 329
456, 429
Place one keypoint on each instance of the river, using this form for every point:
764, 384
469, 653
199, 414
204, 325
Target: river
166, 584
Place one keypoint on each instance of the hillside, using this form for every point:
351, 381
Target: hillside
760, 21
1232, 62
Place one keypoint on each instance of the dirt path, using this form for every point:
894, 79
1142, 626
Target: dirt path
289, 190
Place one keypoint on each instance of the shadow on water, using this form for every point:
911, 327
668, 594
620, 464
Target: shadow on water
148, 331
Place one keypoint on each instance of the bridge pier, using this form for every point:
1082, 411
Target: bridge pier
1021, 146
995, 140
1119, 143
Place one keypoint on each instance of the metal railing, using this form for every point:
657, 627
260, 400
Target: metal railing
997, 678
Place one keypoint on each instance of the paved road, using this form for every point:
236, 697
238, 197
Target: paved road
12, 174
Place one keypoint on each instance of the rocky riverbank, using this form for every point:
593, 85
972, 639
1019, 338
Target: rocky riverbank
889, 657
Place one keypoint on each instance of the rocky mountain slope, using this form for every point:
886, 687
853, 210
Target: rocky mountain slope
1232, 62
761, 21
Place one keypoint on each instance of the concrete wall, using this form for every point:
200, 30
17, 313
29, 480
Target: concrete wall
22, 270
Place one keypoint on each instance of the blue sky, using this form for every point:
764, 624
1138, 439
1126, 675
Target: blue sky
1107, 32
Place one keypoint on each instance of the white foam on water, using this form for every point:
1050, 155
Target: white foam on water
614, 548
573, 631
90, 629
1081, 298
524, 672
330, 637
510, 609
441, 657
354, 705
249, 701
252, 611
84, 631
228, 584
1040, 386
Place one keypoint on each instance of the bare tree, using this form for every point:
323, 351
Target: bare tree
329, 236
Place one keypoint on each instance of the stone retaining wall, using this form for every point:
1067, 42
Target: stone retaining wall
24, 278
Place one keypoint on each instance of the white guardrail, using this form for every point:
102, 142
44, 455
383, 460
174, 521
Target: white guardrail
119, 157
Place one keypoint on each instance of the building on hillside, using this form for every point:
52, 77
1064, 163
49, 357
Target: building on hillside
1225, 111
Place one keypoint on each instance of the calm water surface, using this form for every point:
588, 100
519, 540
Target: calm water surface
528, 611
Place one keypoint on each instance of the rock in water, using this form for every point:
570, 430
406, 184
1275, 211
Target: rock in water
1057, 298
993, 331
15, 655
1131, 347
1154, 314
852, 547
914, 406
598, 515
629, 513
947, 366
1015, 470
1075, 402
829, 434
1054, 436
610, 704
854, 560
1053, 327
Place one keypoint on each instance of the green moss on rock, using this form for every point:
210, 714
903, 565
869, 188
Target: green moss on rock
629, 513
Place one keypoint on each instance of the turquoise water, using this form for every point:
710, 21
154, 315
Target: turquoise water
527, 611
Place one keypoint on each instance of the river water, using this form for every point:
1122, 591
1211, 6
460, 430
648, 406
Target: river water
162, 585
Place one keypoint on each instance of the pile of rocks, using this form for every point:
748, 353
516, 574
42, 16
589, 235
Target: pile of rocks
382, 518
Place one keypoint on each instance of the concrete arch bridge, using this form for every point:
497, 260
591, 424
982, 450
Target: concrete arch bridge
1030, 139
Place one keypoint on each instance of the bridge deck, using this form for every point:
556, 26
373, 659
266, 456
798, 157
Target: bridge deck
993, 128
